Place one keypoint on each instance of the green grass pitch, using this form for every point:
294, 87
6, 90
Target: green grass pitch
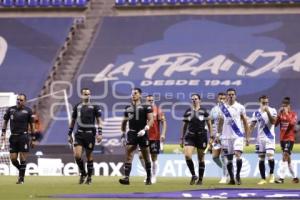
36, 187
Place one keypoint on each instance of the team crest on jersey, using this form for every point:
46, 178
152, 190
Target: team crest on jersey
91, 107
130, 116
24, 111
201, 117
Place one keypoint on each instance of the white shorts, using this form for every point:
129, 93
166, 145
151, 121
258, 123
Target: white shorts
233, 144
265, 145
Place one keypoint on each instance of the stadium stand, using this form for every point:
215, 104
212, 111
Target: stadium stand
54, 4
129, 3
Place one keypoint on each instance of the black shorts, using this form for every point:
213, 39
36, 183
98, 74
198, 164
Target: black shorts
287, 146
19, 143
133, 139
154, 146
197, 140
86, 140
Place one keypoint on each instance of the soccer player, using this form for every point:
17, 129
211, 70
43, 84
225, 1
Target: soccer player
264, 118
157, 134
217, 152
20, 117
232, 138
85, 114
194, 135
140, 118
287, 120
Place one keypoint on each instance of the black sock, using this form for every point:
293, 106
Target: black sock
16, 164
22, 168
262, 169
271, 165
127, 169
230, 169
80, 164
190, 165
148, 169
201, 170
239, 164
90, 167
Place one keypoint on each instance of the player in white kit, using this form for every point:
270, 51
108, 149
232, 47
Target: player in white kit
217, 153
233, 133
265, 118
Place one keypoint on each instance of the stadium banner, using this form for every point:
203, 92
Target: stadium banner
174, 165
64, 165
172, 57
28, 48
169, 165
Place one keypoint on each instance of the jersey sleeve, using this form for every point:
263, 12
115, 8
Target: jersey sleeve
242, 110
125, 112
74, 113
6, 115
149, 109
30, 116
186, 115
253, 119
98, 111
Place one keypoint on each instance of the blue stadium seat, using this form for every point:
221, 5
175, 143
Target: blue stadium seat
172, 2
158, 2
44, 3
81, 3
146, 2
197, 1
33, 3
184, 1
20, 3
68, 3
211, 1
247, 1
57, 3
259, 1
222, 1
133, 2
7, 3
120, 2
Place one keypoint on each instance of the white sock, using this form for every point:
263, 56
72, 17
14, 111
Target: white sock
292, 170
284, 165
224, 164
154, 168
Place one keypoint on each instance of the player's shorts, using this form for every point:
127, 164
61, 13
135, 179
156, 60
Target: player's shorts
197, 140
154, 146
230, 145
18, 143
287, 146
133, 139
85, 139
265, 145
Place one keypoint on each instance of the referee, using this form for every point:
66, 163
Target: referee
194, 135
20, 118
85, 114
140, 118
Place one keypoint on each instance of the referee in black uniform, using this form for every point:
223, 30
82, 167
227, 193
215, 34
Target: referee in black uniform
194, 135
140, 118
85, 114
20, 118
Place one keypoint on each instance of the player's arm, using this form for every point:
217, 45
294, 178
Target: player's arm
72, 125
99, 129
4, 126
123, 130
184, 128
163, 127
246, 127
220, 124
292, 120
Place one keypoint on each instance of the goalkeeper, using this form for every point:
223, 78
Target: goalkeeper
20, 117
